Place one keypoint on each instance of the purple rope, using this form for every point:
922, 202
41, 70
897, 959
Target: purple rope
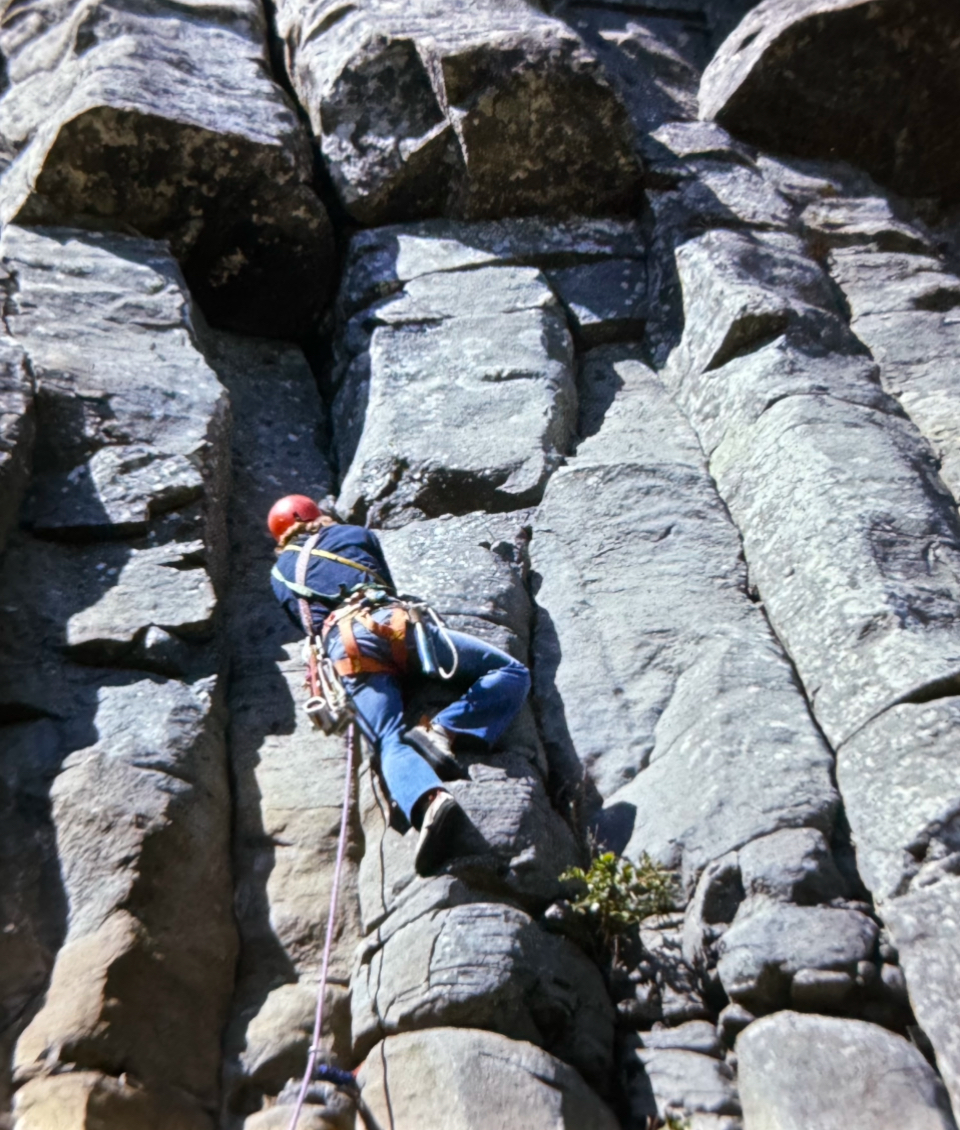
328, 941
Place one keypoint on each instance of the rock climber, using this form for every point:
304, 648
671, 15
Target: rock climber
372, 648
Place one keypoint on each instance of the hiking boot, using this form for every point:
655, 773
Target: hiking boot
434, 746
440, 824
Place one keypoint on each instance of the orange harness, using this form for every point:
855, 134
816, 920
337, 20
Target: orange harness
355, 662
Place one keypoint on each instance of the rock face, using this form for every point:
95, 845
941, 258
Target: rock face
813, 79
475, 1078
643, 586
798, 1071
666, 416
478, 110
497, 325
463, 308
123, 828
123, 117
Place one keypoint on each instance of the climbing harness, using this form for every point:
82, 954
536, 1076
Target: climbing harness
329, 707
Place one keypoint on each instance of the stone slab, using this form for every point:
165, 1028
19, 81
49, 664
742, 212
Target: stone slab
797, 1071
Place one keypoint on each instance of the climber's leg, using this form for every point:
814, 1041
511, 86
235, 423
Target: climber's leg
380, 708
498, 686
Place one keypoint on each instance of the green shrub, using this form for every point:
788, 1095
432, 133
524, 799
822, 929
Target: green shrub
616, 895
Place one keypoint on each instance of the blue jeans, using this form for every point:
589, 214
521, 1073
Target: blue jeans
498, 687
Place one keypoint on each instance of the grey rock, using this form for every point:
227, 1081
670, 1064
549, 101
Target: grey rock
313, 1116
605, 302
472, 569
795, 865
488, 966
924, 924
153, 796
820, 990
381, 260
30, 892
652, 55
899, 781
741, 290
669, 1082
904, 309
769, 942
732, 1021
812, 79
485, 110
17, 430
703, 178
716, 899
646, 640
471, 1079
146, 119
117, 491
694, 1036
867, 222
277, 1038
437, 350
738, 295
134, 418
166, 587
514, 842
801, 1071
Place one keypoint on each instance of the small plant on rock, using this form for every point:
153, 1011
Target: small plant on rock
616, 895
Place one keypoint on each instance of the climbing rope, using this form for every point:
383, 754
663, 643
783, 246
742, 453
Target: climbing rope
453, 648
331, 918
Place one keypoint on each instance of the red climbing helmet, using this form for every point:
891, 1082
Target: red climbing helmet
292, 508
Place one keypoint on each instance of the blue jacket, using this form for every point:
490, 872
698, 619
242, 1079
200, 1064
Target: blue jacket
329, 580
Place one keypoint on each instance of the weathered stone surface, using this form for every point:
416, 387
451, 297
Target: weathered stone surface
381, 260
833, 490
166, 590
652, 53
796, 1072
288, 778
904, 308
899, 781
514, 844
795, 865
415, 420
812, 78
472, 569
482, 110
133, 418
154, 800
695, 1036
650, 658
924, 924
701, 178
87, 1100
605, 301
669, 1082
771, 941
471, 1079
31, 896
16, 432
484, 965
153, 119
